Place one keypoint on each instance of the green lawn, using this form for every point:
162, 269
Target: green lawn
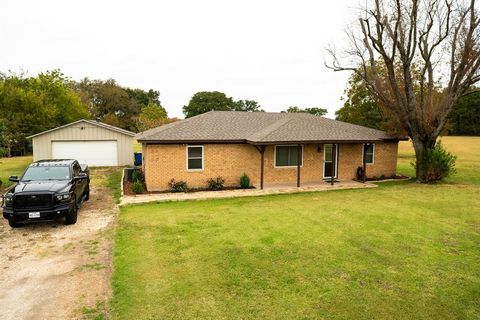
400, 251
12, 167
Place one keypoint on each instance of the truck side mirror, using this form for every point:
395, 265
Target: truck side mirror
81, 175
13, 179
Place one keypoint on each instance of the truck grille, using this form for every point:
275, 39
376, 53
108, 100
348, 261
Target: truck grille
33, 201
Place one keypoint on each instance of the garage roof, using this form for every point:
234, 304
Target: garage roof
92, 122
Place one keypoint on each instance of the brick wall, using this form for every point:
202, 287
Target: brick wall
351, 157
230, 161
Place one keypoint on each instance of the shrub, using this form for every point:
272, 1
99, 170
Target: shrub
178, 186
137, 187
137, 175
439, 164
215, 184
1, 183
244, 181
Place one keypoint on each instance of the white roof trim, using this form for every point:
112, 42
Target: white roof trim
96, 123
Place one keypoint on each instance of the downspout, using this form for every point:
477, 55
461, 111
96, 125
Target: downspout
364, 163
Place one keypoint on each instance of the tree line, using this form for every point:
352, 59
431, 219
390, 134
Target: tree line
29, 105
206, 101
361, 107
32, 104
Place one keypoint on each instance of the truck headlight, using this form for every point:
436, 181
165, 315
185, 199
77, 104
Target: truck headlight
63, 197
8, 200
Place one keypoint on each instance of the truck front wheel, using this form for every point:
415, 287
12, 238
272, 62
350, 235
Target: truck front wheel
71, 217
12, 221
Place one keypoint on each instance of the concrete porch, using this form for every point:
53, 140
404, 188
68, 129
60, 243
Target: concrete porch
268, 189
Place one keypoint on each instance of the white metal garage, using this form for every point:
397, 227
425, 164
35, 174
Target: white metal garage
94, 153
87, 141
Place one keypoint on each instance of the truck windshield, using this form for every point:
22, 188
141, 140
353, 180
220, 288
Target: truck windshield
46, 173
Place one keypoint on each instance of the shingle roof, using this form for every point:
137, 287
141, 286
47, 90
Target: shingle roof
260, 128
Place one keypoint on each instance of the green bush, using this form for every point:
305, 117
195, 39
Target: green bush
178, 186
137, 187
244, 181
439, 164
215, 184
3, 152
137, 176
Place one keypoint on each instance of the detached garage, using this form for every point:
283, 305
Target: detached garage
88, 141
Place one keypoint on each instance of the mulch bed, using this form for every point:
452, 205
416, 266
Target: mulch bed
127, 189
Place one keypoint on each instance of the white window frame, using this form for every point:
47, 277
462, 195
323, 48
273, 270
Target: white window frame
336, 160
373, 154
275, 156
203, 157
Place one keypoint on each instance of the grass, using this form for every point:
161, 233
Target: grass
12, 167
467, 150
98, 312
399, 251
113, 183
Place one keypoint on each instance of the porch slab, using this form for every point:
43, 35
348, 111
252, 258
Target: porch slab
268, 190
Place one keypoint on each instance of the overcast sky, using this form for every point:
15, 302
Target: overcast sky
269, 51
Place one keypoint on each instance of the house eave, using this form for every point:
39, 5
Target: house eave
259, 143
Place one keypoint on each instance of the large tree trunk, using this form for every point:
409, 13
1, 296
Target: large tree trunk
422, 146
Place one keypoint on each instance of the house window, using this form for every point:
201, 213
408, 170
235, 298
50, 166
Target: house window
194, 157
369, 150
287, 156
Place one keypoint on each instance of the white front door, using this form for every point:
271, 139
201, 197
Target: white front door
94, 153
328, 161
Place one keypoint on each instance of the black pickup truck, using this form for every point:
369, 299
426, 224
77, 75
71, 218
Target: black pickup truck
47, 190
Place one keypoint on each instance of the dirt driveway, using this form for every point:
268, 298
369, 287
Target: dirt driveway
53, 271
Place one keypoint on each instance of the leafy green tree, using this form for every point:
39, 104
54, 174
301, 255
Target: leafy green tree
110, 103
5, 139
465, 116
144, 97
314, 111
205, 101
33, 104
247, 105
152, 116
116, 105
360, 106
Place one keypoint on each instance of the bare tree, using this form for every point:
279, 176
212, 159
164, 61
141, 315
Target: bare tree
418, 57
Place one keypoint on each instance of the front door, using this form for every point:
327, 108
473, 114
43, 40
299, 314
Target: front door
328, 162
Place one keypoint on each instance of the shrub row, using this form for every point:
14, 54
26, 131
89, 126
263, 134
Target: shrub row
138, 181
213, 184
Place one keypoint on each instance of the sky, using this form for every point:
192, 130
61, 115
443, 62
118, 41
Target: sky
269, 51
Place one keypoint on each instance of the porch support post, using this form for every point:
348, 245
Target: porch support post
299, 154
332, 179
364, 163
262, 165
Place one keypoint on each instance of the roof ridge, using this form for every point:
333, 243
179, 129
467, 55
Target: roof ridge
268, 129
106, 125
93, 122
350, 124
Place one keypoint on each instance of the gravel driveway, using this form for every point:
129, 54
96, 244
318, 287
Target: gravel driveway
53, 271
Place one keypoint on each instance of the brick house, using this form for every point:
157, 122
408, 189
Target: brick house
265, 146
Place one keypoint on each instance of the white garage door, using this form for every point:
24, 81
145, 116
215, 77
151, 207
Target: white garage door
94, 153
